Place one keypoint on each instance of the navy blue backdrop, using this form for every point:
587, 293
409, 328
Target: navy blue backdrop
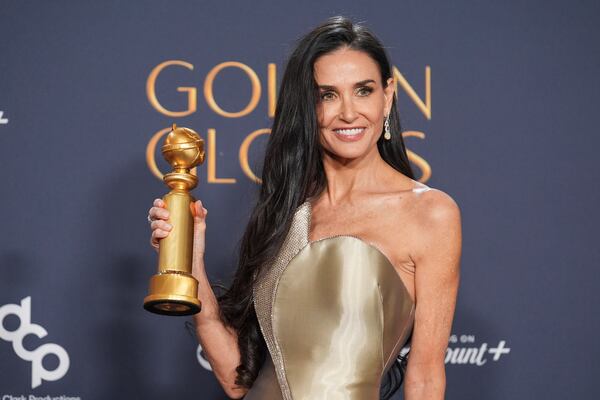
509, 131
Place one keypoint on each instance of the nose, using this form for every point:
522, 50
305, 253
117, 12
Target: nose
348, 112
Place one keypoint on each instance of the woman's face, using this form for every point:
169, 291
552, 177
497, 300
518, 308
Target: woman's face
352, 103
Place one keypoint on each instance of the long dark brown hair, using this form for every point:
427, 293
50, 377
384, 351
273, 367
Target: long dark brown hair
292, 172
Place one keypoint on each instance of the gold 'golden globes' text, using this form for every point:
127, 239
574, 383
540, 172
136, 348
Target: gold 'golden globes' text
191, 94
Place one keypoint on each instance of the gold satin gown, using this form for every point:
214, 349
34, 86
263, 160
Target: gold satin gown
334, 314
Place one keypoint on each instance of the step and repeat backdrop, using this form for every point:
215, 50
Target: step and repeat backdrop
498, 102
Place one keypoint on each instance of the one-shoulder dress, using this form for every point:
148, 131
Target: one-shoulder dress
334, 314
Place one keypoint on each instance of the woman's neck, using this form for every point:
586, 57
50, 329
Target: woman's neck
347, 177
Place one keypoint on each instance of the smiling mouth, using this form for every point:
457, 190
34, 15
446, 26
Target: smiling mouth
349, 132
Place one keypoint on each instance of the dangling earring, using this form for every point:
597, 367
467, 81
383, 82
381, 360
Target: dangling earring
387, 135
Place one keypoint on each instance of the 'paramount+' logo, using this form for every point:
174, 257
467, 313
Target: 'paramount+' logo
463, 350
38, 372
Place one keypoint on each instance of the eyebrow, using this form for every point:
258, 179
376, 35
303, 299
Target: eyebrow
361, 83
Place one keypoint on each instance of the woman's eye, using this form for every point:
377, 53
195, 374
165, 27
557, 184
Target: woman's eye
327, 96
365, 91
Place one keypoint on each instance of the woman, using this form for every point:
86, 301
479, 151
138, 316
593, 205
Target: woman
345, 257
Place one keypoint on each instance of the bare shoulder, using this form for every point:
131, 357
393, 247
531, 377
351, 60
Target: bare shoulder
434, 206
437, 224
418, 204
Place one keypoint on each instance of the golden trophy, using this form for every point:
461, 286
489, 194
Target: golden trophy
174, 291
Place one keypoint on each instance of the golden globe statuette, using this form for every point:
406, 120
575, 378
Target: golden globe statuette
174, 291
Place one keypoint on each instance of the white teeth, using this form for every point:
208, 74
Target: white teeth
349, 132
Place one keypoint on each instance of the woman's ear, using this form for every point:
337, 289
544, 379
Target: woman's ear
388, 94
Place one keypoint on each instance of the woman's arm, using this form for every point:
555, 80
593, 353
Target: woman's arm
437, 269
218, 341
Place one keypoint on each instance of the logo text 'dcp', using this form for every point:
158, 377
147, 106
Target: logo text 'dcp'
38, 372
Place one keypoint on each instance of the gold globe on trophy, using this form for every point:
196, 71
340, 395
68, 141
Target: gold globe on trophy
174, 291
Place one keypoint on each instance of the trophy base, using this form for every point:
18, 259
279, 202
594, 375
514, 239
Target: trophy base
173, 293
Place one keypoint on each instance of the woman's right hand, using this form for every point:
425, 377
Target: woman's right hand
159, 214
160, 227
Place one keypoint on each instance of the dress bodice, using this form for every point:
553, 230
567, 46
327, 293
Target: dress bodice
334, 314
